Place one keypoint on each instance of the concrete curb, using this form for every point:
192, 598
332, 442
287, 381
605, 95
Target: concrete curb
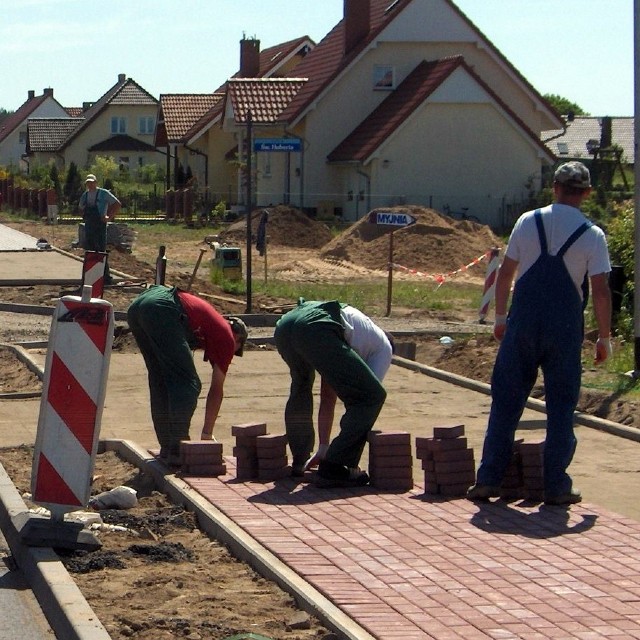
243, 546
60, 599
614, 428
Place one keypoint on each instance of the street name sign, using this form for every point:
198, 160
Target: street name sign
277, 144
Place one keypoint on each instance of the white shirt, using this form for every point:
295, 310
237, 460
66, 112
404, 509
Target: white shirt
367, 339
588, 254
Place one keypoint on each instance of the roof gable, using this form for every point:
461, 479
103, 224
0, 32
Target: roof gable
328, 59
416, 88
125, 92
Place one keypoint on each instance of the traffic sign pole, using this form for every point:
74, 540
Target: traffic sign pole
390, 276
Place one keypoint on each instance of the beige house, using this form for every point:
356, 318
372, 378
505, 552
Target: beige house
402, 102
121, 125
13, 129
190, 125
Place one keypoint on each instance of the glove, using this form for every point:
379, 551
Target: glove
499, 326
316, 458
603, 350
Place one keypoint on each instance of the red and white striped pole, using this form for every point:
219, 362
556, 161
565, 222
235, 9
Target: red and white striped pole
489, 283
93, 272
73, 395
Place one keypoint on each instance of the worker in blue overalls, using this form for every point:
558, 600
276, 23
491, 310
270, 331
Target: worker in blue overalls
97, 206
550, 250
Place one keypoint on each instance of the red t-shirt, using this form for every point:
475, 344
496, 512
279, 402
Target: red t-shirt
211, 330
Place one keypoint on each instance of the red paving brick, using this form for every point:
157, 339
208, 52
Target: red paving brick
410, 565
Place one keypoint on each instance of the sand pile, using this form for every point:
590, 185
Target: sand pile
287, 227
434, 244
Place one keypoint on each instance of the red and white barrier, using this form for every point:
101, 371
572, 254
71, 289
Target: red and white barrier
73, 395
93, 272
489, 292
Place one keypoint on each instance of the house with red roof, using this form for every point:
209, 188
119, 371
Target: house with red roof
189, 125
120, 124
13, 129
403, 101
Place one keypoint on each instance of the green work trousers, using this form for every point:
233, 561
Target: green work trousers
158, 323
311, 338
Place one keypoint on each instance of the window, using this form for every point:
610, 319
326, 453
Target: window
563, 148
384, 77
146, 124
118, 125
22, 137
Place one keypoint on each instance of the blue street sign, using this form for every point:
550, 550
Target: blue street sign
391, 218
277, 144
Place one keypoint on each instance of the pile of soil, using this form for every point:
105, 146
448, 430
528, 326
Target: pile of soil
286, 226
434, 244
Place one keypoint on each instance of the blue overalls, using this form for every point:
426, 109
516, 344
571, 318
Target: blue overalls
545, 329
95, 232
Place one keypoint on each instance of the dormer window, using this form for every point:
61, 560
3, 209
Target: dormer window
384, 77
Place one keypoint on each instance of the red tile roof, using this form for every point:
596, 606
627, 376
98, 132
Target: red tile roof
266, 98
47, 134
180, 112
74, 112
410, 94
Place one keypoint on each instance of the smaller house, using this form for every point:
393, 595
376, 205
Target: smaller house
13, 130
121, 125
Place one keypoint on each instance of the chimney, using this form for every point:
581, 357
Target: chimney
249, 58
31, 94
48, 92
122, 77
357, 22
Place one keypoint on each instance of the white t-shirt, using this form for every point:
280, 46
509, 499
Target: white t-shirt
367, 339
588, 254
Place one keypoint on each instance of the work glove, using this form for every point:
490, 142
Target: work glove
603, 350
316, 458
499, 326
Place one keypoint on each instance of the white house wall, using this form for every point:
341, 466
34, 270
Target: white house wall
460, 155
11, 149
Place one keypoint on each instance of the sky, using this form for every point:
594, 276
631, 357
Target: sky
583, 51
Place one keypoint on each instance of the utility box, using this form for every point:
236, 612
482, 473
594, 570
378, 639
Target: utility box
226, 262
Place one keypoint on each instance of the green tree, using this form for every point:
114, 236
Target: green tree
73, 185
105, 168
564, 106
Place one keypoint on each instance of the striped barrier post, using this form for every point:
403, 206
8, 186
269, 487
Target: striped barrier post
93, 272
73, 395
489, 283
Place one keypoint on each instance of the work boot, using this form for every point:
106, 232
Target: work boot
482, 492
571, 497
331, 474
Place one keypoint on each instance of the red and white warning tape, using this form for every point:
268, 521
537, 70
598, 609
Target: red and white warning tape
441, 277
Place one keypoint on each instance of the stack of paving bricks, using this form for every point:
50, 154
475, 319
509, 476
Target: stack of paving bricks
202, 458
511, 486
532, 461
272, 457
447, 461
390, 460
246, 449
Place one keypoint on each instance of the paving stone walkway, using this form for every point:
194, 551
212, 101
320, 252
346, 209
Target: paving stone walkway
412, 566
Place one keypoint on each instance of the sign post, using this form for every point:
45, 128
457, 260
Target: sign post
393, 220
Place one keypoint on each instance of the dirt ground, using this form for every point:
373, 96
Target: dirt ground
157, 576
177, 582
